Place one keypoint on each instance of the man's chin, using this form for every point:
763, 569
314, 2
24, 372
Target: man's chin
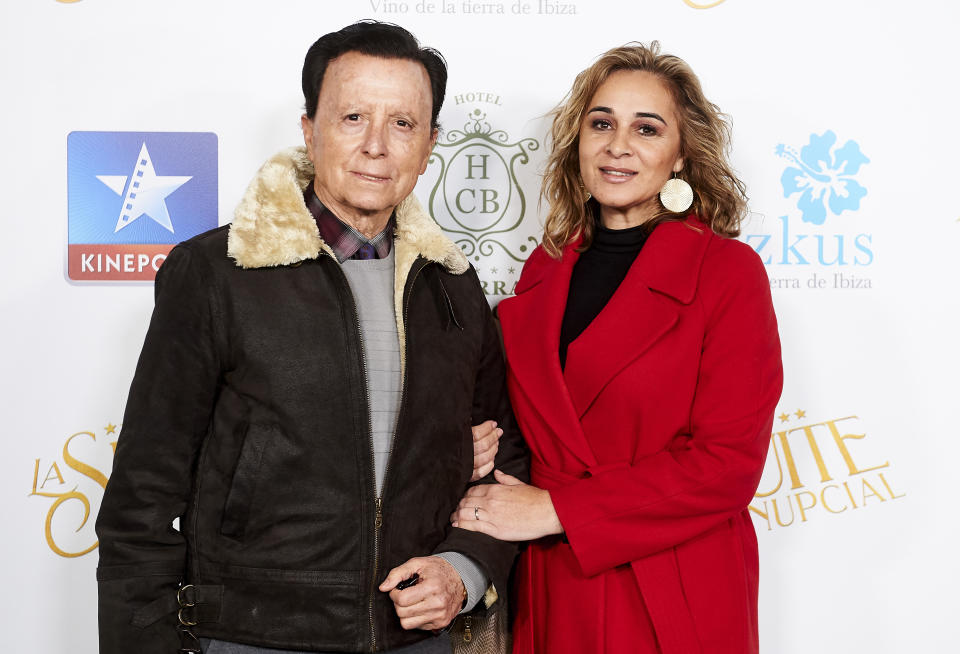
372, 204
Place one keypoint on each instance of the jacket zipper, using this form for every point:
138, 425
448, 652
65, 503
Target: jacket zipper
403, 381
378, 503
378, 523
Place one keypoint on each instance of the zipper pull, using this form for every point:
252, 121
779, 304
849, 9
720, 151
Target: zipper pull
467, 634
379, 520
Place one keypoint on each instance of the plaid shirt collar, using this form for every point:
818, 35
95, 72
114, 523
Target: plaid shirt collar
343, 239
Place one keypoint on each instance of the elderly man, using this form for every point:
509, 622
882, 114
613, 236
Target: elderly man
298, 430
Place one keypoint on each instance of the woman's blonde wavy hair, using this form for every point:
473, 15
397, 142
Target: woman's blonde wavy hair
719, 197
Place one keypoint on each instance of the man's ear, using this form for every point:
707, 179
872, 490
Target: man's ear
307, 126
434, 134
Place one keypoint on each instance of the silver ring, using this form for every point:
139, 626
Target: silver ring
476, 513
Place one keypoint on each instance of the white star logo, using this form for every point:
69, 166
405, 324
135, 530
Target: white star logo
146, 194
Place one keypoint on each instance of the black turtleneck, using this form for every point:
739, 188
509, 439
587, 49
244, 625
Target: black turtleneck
596, 276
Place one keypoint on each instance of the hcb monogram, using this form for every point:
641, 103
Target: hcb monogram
477, 198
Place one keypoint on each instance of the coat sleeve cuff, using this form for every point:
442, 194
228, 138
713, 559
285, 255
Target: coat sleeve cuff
582, 539
470, 573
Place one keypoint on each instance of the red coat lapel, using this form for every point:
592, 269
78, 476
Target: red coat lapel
642, 310
633, 320
531, 334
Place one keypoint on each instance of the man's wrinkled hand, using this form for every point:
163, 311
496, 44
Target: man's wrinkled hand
486, 442
434, 601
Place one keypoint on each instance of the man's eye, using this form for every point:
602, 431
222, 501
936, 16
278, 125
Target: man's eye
402, 123
353, 117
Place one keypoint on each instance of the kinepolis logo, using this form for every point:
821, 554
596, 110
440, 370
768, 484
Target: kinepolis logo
801, 481
132, 196
478, 196
68, 529
821, 181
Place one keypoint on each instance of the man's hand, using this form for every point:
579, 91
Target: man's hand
486, 442
436, 598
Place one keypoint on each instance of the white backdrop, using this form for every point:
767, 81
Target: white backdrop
843, 116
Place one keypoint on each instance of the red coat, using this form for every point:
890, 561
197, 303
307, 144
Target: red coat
651, 441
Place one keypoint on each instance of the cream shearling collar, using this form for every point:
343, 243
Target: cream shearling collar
273, 227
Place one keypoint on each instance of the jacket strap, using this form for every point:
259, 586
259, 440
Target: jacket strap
193, 604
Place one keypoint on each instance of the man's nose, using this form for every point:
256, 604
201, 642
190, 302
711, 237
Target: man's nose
375, 139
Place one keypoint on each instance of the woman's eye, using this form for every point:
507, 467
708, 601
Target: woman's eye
647, 130
601, 123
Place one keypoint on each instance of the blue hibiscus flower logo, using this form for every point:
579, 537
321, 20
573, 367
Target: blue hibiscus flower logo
823, 175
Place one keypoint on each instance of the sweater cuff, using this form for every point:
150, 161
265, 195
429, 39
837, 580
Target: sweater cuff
470, 573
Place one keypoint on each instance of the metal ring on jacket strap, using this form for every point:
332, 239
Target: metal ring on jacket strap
180, 599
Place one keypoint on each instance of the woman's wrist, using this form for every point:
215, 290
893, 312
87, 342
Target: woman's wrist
553, 526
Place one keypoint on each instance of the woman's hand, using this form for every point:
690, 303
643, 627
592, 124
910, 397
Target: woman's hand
486, 442
509, 510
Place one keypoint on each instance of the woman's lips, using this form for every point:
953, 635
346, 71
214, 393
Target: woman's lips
611, 174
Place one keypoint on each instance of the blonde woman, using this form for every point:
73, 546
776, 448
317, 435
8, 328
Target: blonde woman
644, 369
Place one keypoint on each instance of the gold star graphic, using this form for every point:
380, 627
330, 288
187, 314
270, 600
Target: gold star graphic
111, 428
784, 417
801, 413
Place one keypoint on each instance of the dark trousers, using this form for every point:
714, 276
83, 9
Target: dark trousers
433, 645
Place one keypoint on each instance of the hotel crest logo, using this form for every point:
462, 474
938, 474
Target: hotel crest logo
820, 468
71, 482
480, 181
